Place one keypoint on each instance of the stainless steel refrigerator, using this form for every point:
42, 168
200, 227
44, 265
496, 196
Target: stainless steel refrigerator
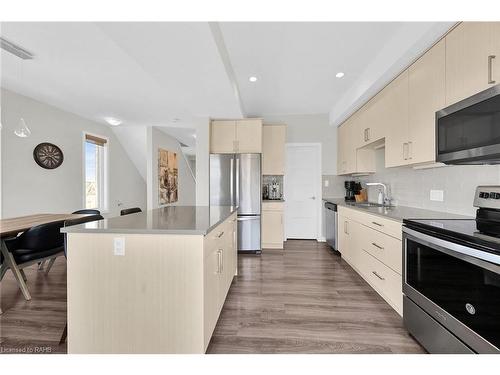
236, 180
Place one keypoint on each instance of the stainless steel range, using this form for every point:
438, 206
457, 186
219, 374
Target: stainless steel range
451, 279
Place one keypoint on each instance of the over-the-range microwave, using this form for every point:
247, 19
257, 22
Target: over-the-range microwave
468, 132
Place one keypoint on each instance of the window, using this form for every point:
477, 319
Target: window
95, 154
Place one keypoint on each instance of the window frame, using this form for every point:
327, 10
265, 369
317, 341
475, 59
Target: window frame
104, 175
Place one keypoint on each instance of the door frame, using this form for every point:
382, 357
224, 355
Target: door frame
317, 189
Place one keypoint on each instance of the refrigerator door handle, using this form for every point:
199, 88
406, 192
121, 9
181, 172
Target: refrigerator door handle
231, 180
245, 218
237, 181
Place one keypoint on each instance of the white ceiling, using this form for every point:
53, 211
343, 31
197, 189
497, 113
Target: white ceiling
151, 73
141, 73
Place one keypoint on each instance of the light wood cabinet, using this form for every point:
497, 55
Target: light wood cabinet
396, 140
272, 225
164, 294
463, 63
372, 246
236, 136
249, 136
426, 96
351, 159
223, 137
273, 149
468, 50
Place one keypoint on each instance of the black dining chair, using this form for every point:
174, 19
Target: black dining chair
69, 223
87, 211
37, 244
129, 211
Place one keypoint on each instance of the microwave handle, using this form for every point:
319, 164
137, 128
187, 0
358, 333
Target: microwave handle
490, 63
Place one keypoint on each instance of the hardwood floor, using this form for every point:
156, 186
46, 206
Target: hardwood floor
303, 299
34, 326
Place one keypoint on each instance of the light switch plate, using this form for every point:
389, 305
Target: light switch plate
119, 246
437, 195
327, 183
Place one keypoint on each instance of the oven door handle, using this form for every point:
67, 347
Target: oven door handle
477, 257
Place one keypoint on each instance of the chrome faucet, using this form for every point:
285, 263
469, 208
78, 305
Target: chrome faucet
386, 198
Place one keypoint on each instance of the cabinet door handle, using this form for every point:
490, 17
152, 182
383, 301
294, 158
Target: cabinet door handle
364, 135
368, 134
405, 151
346, 227
380, 225
218, 261
376, 274
377, 246
490, 68
221, 260
220, 234
410, 150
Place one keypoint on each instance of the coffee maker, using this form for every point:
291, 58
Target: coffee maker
352, 188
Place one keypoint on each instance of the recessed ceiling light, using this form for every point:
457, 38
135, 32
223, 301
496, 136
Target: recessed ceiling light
113, 121
252, 79
339, 75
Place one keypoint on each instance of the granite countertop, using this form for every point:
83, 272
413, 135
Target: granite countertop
197, 220
397, 213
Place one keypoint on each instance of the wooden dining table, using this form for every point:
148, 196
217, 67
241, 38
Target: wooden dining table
11, 227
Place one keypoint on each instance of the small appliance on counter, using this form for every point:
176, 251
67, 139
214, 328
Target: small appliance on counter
451, 279
352, 188
272, 187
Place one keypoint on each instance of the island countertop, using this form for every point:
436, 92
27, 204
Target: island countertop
193, 220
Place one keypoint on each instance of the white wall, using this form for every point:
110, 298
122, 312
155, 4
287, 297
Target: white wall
187, 185
311, 128
202, 161
28, 188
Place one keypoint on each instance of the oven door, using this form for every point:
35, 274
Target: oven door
458, 286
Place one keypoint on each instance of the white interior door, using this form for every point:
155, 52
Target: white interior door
302, 190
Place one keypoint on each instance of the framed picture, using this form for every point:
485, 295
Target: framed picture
168, 177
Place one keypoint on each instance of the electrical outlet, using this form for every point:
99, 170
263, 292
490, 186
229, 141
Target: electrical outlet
327, 183
437, 195
119, 246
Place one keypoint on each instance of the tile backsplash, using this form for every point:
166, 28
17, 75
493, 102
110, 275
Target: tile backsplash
410, 187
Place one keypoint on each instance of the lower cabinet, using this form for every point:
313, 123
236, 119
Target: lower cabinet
376, 254
272, 225
219, 268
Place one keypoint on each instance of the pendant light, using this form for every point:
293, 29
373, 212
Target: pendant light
22, 130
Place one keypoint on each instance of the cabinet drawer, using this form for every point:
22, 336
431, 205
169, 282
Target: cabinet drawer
272, 206
390, 227
220, 236
385, 248
385, 281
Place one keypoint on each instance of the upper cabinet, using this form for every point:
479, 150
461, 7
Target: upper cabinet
472, 54
396, 140
426, 96
273, 149
236, 136
463, 63
249, 136
223, 137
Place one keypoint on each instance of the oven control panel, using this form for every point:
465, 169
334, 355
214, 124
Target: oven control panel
487, 197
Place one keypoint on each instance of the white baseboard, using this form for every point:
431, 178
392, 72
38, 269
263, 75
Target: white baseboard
321, 239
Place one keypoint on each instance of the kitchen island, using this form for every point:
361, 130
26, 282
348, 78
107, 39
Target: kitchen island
151, 282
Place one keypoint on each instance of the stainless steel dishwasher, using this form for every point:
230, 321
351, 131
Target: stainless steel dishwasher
331, 230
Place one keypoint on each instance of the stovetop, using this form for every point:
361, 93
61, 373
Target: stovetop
462, 231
